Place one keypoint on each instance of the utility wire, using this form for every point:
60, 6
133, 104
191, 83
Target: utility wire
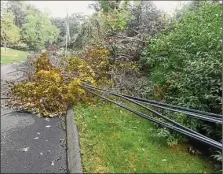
174, 107
189, 134
203, 117
157, 114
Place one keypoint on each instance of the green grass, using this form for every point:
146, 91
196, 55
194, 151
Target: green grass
12, 56
114, 140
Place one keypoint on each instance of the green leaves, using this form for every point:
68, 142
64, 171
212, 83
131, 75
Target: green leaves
189, 55
9, 31
38, 30
188, 59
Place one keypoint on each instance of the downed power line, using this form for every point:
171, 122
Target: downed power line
186, 131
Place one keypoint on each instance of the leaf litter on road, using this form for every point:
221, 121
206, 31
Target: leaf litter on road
52, 164
26, 149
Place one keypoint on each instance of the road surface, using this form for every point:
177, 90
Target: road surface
30, 144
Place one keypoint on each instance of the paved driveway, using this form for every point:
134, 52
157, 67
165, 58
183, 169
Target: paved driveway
30, 144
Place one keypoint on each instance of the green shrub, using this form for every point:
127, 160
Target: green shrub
188, 62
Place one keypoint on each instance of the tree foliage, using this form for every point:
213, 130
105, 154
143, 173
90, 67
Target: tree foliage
33, 26
18, 9
9, 31
49, 90
122, 29
74, 27
185, 64
38, 30
98, 57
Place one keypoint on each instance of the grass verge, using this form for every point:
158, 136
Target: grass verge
12, 56
115, 140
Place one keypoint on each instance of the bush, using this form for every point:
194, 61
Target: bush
185, 64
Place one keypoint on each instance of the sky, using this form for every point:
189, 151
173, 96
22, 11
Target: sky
58, 8
169, 6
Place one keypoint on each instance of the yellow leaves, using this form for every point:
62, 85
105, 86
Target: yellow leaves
50, 91
104, 81
80, 66
73, 85
43, 63
53, 75
97, 58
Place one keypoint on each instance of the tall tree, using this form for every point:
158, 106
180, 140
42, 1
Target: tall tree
106, 6
9, 31
18, 9
74, 27
38, 30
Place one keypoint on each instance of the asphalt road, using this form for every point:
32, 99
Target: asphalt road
31, 144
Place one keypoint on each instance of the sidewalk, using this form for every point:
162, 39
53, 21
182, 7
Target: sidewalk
31, 144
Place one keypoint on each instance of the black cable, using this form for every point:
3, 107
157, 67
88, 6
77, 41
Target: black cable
203, 117
189, 134
175, 107
156, 113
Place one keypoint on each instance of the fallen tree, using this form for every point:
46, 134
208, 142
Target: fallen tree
49, 90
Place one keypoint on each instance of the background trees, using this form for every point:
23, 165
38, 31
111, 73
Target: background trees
25, 27
122, 27
18, 9
74, 28
9, 31
38, 30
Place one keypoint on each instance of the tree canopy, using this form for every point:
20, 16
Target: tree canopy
38, 30
25, 27
9, 31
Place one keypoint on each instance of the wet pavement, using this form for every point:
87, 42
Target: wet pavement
31, 144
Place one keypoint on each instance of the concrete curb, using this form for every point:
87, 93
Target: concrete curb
73, 149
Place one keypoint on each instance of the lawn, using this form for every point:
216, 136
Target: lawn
114, 140
12, 56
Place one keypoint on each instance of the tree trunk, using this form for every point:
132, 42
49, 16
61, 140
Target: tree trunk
5, 46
